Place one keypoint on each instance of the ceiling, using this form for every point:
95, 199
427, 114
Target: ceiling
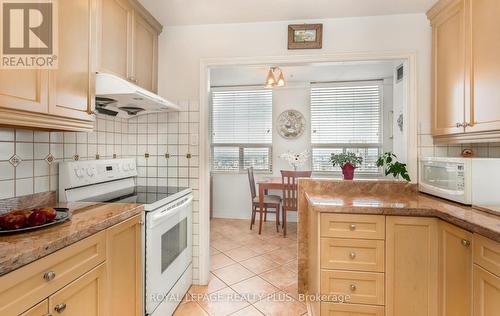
341, 71
193, 12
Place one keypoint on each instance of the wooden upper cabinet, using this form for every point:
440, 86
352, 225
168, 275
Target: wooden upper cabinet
455, 271
115, 42
449, 70
72, 85
25, 90
128, 42
466, 70
485, 63
145, 54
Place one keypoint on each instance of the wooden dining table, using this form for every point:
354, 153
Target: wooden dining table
266, 184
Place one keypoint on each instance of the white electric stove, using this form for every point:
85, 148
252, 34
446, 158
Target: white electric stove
168, 223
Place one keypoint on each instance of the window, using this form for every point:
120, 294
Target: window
346, 117
241, 124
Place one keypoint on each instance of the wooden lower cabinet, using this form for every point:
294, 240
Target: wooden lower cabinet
124, 261
100, 275
455, 271
40, 309
85, 296
486, 293
411, 266
338, 309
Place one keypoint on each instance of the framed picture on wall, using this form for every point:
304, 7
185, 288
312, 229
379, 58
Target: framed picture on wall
305, 36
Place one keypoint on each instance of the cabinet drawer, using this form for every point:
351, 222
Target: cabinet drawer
353, 226
338, 309
23, 288
352, 254
486, 253
363, 287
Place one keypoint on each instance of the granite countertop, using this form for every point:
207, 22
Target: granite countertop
87, 219
410, 204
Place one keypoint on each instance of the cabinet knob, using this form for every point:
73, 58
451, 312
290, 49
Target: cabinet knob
352, 227
465, 243
132, 79
49, 276
460, 125
352, 255
60, 308
353, 287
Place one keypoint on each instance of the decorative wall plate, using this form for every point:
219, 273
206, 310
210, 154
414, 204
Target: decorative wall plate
291, 124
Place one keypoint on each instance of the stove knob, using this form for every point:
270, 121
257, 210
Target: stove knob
126, 167
90, 172
79, 173
131, 166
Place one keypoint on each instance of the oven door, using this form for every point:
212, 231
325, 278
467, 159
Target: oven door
448, 179
168, 248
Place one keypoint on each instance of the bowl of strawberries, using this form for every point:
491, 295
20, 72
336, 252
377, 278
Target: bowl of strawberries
26, 220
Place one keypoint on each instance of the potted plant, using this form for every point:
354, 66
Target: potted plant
348, 162
391, 166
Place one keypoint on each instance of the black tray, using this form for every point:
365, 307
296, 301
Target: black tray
63, 215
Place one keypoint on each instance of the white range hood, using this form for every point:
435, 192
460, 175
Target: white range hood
118, 97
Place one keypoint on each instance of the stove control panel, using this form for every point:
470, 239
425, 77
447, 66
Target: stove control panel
74, 174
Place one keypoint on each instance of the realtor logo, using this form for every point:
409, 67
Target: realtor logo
28, 33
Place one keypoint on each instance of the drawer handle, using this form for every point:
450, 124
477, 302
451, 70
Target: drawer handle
49, 276
465, 243
60, 308
353, 287
352, 227
352, 255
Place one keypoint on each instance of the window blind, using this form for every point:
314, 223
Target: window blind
241, 125
346, 117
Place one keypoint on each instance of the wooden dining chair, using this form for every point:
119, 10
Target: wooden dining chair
270, 202
289, 180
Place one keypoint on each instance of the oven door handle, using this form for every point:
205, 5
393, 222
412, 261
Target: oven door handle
170, 212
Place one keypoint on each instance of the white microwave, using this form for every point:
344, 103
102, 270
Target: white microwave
470, 181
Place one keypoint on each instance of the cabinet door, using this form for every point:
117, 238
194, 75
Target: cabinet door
411, 266
24, 89
124, 262
145, 54
485, 50
72, 85
455, 271
83, 297
449, 70
486, 293
40, 309
115, 37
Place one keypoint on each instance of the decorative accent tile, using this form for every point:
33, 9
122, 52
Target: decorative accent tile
76, 157
49, 159
15, 160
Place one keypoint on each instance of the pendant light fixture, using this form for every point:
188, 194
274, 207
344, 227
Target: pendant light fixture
271, 81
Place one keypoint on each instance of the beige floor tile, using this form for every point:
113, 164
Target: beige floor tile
280, 277
233, 274
281, 256
259, 264
191, 309
248, 311
213, 251
240, 254
262, 247
223, 302
225, 244
254, 289
214, 285
280, 304
220, 260
292, 265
